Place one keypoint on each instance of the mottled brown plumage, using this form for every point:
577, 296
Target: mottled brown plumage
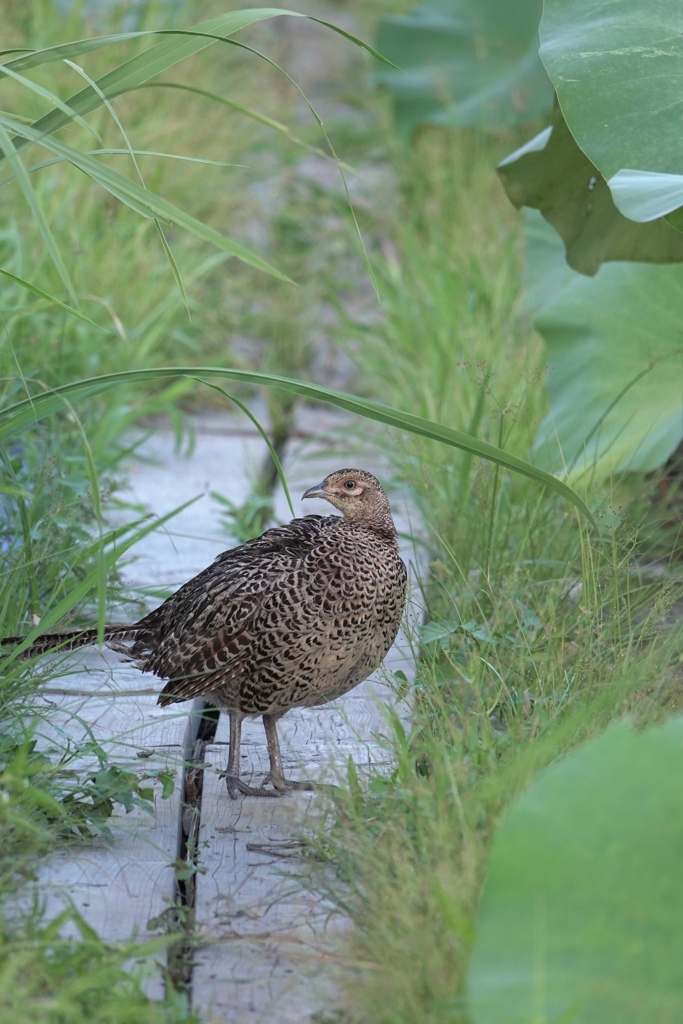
294, 618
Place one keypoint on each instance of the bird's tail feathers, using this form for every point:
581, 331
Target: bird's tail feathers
72, 639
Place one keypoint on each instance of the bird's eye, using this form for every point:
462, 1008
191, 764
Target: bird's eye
350, 485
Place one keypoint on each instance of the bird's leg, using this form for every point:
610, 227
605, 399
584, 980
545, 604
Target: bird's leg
232, 774
275, 775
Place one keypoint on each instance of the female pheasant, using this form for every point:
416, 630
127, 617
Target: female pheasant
295, 618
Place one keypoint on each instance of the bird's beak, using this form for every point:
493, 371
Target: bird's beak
315, 492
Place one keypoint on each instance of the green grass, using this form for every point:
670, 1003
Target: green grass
47, 977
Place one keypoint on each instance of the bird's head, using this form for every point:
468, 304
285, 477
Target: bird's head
357, 494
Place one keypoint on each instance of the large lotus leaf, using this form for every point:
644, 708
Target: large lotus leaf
553, 175
465, 62
617, 69
615, 363
583, 902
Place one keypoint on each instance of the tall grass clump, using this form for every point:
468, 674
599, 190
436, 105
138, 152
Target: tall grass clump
536, 631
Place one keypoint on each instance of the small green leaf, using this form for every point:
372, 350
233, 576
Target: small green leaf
186, 869
167, 780
430, 632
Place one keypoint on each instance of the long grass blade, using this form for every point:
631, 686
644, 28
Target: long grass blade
120, 152
239, 108
23, 414
51, 298
22, 176
45, 94
30, 58
359, 42
157, 153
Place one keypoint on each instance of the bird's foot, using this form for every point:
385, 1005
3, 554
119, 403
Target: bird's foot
236, 785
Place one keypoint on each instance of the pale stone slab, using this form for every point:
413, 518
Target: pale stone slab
120, 885
266, 942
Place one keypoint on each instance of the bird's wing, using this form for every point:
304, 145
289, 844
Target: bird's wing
212, 624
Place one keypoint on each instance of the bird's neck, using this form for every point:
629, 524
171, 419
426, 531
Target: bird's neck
381, 524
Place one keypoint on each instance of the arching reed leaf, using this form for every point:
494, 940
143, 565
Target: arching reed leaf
29, 411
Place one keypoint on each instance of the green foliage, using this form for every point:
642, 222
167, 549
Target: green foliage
464, 63
43, 508
580, 917
604, 175
48, 796
133, 74
245, 521
46, 978
615, 362
410, 848
128, 76
160, 273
